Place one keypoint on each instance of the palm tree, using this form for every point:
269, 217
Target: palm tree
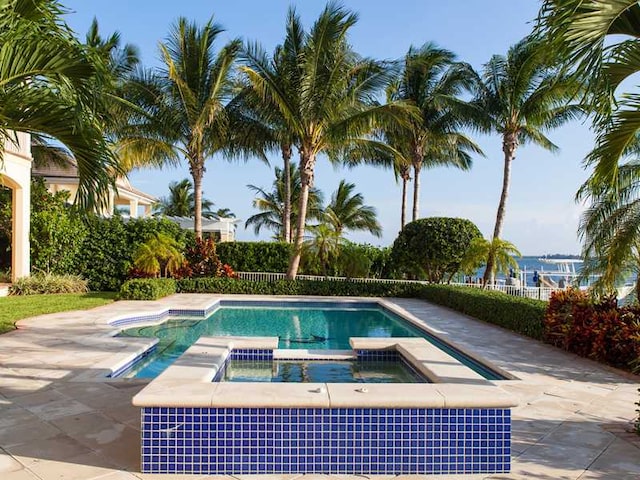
609, 227
347, 211
271, 204
323, 246
184, 107
224, 213
522, 96
46, 79
600, 41
333, 107
160, 252
181, 201
480, 249
273, 131
433, 82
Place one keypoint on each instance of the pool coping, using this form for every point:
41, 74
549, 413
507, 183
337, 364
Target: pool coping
202, 305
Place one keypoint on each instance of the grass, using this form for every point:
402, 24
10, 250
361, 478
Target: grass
16, 308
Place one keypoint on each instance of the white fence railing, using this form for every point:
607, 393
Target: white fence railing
273, 277
540, 293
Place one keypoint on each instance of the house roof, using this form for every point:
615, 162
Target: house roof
68, 174
215, 224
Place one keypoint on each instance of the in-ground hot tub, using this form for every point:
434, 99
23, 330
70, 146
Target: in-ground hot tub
460, 423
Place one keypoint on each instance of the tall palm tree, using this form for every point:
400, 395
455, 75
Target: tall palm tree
347, 211
181, 201
522, 95
184, 107
46, 79
433, 82
271, 204
333, 107
283, 69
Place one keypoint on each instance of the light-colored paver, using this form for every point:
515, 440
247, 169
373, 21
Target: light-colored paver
569, 424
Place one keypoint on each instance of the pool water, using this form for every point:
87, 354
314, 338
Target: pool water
283, 371
329, 327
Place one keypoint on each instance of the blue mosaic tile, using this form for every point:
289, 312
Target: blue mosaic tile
378, 355
131, 363
329, 441
249, 354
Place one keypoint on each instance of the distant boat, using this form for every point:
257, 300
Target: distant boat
564, 275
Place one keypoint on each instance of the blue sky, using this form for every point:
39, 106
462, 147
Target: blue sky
542, 216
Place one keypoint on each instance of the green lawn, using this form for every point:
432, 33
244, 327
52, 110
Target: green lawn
16, 308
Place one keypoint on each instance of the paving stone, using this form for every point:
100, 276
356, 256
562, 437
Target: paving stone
27, 432
57, 448
82, 467
8, 464
59, 408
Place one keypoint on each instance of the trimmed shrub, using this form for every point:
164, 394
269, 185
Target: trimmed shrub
297, 287
255, 256
46, 283
596, 329
520, 315
433, 248
147, 289
106, 256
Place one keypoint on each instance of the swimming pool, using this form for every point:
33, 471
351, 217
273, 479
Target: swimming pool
297, 325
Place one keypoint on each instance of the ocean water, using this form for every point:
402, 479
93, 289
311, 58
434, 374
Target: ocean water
530, 264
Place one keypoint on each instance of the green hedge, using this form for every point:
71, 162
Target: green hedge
147, 289
255, 256
521, 315
297, 287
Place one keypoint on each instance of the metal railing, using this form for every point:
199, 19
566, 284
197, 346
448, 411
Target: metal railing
540, 293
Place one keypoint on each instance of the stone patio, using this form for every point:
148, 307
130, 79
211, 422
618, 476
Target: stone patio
572, 422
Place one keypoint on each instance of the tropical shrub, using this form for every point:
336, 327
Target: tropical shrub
594, 328
47, 283
57, 232
202, 259
433, 248
159, 255
108, 250
255, 256
147, 288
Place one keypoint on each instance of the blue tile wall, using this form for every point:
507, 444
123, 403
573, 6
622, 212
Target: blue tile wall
251, 354
329, 441
378, 355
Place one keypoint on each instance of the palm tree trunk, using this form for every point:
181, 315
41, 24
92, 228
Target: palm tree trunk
509, 146
403, 214
307, 164
416, 190
197, 171
286, 215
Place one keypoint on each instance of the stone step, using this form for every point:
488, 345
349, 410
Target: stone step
4, 289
